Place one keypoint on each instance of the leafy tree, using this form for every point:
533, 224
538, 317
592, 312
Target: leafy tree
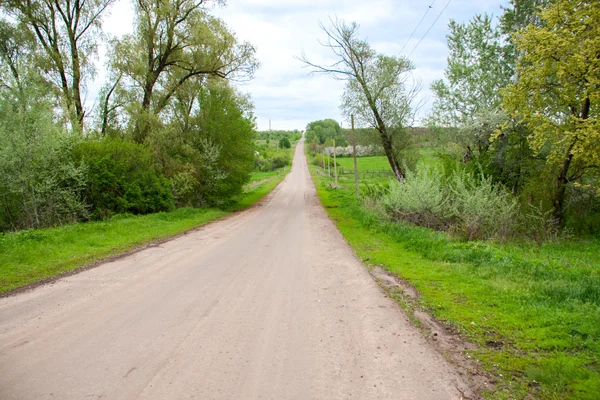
557, 94
67, 33
376, 91
175, 41
40, 186
478, 67
284, 142
209, 152
323, 130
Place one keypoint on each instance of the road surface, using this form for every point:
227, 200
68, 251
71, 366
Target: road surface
268, 304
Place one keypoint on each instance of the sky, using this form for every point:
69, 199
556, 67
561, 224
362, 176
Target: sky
283, 90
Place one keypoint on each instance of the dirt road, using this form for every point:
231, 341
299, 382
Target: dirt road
268, 304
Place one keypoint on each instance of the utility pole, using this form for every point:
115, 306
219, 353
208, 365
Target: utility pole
328, 165
354, 155
334, 163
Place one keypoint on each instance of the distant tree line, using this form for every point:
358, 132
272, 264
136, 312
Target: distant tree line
168, 128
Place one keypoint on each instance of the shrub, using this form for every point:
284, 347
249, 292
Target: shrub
376, 191
482, 208
284, 142
472, 207
121, 178
420, 199
279, 162
40, 186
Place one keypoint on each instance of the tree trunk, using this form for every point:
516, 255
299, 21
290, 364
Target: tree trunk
561, 189
386, 141
386, 138
563, 175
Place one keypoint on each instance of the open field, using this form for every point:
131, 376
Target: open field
533, 312
33, 255
374, 163
380, 163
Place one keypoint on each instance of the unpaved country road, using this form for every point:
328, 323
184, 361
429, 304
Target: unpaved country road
268, 304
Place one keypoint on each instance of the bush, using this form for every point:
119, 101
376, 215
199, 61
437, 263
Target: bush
284, 142
121, 178
482, 208
40, 186
279, 162
420, 199
472, 207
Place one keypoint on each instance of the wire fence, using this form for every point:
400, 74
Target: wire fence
361, 173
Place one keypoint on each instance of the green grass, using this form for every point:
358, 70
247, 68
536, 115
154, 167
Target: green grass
541, 303
380, 163
374, 163
261, 183
29, 256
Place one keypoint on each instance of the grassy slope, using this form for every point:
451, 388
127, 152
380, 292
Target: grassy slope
534, 312
29, 256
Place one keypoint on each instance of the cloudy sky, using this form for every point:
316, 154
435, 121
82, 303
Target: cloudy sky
283, 91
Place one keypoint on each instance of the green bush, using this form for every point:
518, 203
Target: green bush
284, 143
473, 207
279, 162
421, 199
482, 208
40, 186
121, 178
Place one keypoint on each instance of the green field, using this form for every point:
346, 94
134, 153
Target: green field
533, 312
29, 256
380, 163
375, 163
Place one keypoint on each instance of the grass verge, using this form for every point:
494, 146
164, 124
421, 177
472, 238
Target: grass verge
33, 255
533, 312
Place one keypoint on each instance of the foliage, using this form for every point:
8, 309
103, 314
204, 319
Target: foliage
557, 94
121, 178
324, 132
66, 34
39, 184
277, 135
227, 121
376, 90
474, 208
284, 142
175, 42
478, 67
420, 199
482, 208
530, 310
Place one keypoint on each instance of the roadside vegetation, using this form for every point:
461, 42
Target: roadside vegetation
28, 256
169, 128
491, 211
532, 308
170, 142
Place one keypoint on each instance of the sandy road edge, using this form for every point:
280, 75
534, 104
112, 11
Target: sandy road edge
442, 337
141, 247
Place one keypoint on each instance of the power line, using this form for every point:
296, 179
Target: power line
431, 26
419, 24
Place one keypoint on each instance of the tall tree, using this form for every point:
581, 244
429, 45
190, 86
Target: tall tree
477, 69
558, 91
376, 90
176, 41
67, 32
